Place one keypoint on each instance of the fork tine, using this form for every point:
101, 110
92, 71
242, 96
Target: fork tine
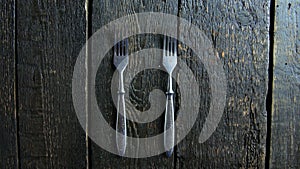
171, 47
126, 47
115, 44
120, 42
164, 46
168, 46
175, 47
119, 48
122, 47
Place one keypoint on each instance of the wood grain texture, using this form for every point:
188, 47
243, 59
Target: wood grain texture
239, 33
50, 35
285, 137
103, 12
8, 121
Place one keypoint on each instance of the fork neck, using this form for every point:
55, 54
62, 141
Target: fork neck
121, 83
170, 90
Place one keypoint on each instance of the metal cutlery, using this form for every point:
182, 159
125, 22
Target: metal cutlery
169, 63
121, 62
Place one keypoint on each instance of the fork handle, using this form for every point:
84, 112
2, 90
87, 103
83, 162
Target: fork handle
169, 137
121, 131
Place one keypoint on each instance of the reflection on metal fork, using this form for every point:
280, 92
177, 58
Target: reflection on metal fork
120, 62
169, 63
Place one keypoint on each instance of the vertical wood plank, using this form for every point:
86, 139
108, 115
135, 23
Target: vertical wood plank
8, 121
50, 36
239, 33
285, 137
103, 12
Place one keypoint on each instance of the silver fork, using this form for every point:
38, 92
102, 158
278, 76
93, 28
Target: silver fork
121, 62
169, 63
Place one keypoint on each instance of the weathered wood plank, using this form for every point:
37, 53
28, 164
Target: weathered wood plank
50, 35
239, 33
104, 12
8, 121
285, 137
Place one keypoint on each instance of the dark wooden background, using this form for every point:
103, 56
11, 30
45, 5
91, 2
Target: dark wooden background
258, 42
